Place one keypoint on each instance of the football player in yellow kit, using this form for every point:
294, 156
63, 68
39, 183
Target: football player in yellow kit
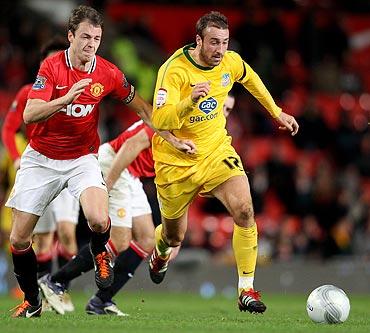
191, 89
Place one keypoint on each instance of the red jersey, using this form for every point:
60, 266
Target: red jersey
14, 120
73, 131
143, 165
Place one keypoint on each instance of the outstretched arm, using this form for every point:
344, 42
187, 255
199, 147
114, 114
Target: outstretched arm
256, 87
144, 111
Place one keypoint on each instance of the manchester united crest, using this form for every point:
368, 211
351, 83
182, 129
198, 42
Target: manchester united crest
96, 89
121, 213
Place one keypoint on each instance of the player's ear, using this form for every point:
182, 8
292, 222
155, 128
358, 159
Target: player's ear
70, 36
198, 40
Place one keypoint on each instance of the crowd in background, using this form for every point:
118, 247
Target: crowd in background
311, 192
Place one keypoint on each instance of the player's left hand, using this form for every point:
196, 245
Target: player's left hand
287, 123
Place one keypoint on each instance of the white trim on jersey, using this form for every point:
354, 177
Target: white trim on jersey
69, 63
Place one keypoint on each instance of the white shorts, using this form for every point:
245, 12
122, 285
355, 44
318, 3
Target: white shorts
127, 198
64, 208
40, 180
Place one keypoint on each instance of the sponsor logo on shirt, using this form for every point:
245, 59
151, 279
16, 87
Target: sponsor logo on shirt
39, 83
78, 110
208, 105
225, 79
96, 89
198, 119
161, 97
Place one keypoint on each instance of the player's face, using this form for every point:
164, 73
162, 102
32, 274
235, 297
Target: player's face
228, 105
86, 40
213, 45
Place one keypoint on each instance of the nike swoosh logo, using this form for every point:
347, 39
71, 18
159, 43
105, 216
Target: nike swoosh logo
61, 87
247, 272
30, 314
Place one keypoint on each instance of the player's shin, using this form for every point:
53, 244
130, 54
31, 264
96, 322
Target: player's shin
100, 239
163, 249
245, 251
25, 270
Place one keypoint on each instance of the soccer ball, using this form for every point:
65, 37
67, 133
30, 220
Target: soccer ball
328, 304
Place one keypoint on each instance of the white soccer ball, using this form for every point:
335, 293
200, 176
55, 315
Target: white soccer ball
328, 304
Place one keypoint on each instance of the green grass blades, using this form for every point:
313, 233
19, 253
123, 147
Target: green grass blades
180, 313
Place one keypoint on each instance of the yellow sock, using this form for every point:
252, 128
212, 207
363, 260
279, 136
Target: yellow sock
164, 250
245, 251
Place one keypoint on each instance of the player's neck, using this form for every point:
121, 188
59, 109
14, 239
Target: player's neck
78, 64
195, 54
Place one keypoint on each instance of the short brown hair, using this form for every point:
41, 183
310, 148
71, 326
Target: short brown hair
84, 13
57, 43
212, 19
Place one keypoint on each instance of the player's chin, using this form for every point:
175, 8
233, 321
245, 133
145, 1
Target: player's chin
216, 61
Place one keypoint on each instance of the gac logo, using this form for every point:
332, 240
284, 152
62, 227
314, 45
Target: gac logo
78, 110
208, 105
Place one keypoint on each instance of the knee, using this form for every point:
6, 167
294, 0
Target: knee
244, 215
19, 243
98, 222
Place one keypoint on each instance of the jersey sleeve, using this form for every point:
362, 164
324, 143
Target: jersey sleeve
122, 89
13, 121
245, 75
168, 107
44, 84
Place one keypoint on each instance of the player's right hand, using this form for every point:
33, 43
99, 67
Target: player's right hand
76, 90
200, 90
185, 145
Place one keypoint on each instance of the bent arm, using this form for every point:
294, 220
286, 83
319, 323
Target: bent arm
169, 116
38, 110
256, 87
128, 152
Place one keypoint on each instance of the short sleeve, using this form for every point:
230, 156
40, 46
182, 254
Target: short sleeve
122, 89
44, 84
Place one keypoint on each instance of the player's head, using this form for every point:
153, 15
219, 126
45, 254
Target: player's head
212, 37
85, 29
228, 105
55, 44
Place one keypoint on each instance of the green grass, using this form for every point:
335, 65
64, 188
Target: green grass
177, 313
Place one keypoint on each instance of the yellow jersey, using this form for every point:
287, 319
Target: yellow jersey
205, 123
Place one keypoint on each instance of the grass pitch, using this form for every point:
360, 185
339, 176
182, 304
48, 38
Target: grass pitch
180, 313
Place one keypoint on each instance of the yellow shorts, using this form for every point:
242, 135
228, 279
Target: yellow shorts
177, 186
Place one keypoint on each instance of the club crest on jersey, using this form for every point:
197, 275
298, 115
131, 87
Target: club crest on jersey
208, 105
96, 89
39, 83
225, 79
161, 97
121, 213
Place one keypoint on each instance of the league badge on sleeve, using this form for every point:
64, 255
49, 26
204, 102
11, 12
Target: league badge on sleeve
161, 97
39, 83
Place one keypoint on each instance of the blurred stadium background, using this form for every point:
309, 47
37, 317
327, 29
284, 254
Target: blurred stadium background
311, 192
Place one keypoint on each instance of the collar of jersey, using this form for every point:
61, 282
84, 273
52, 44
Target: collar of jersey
188, 56
69, 63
